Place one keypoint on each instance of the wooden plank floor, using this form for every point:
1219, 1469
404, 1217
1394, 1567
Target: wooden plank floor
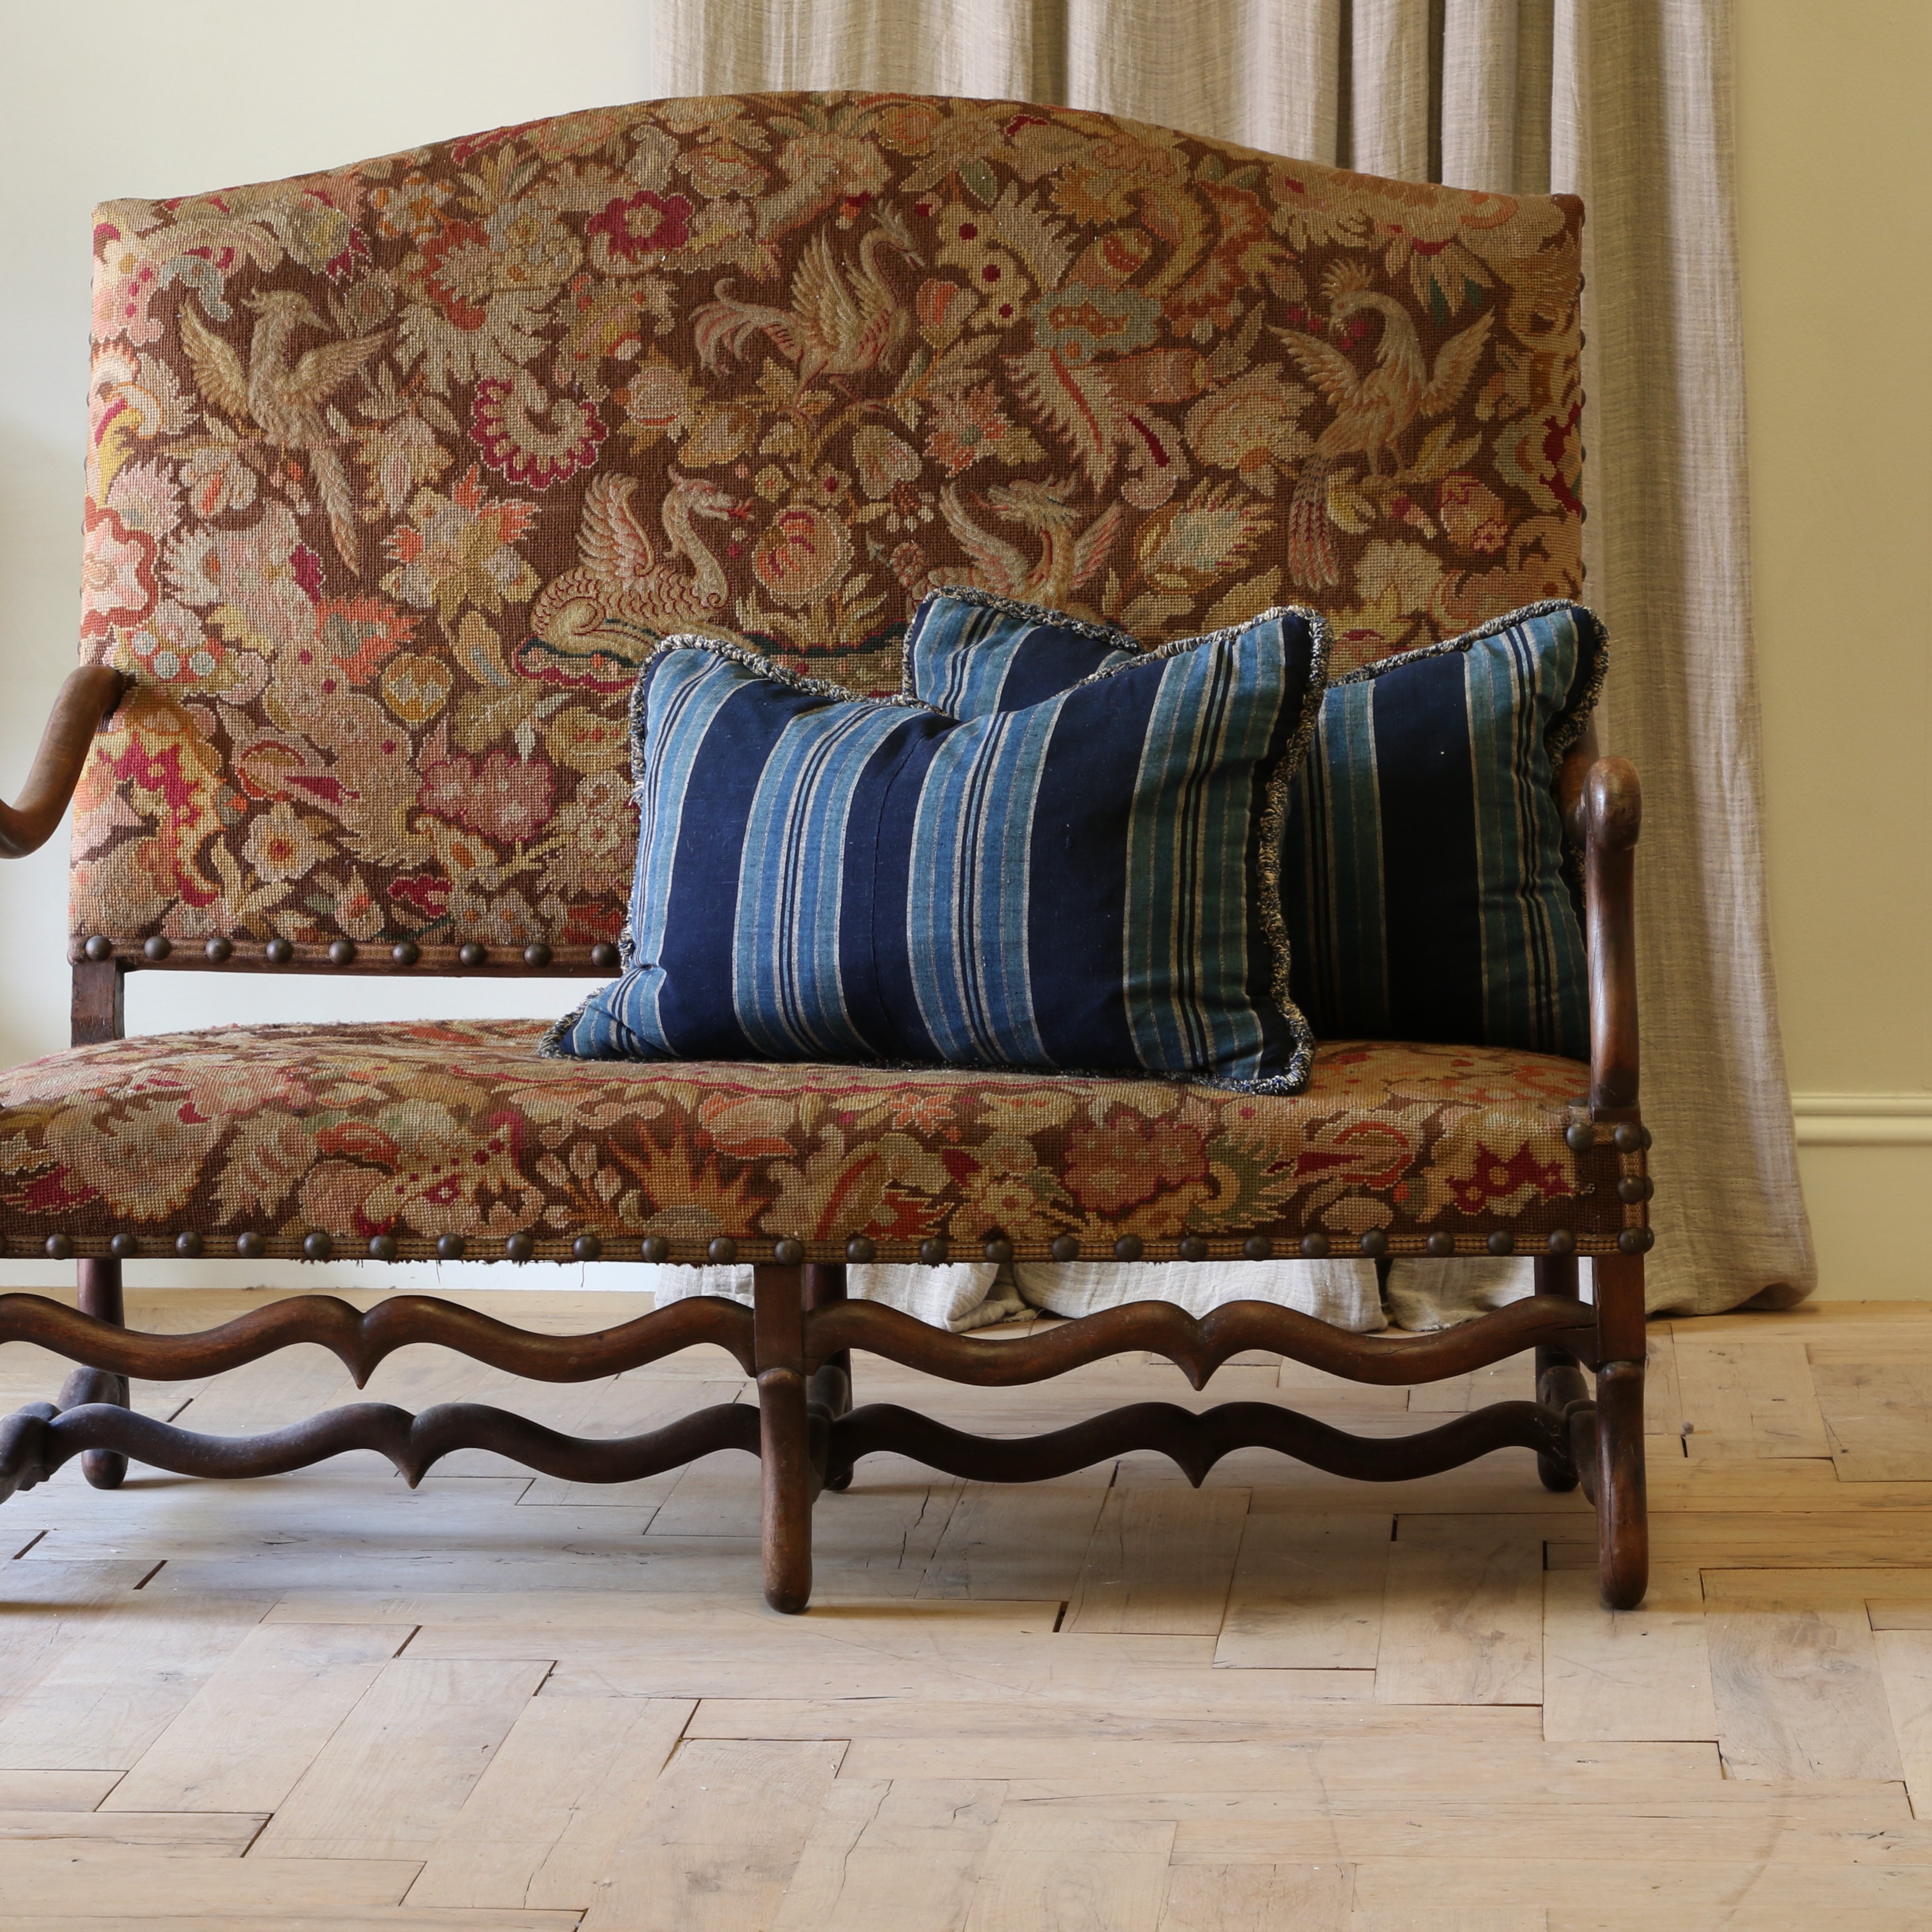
329, 1704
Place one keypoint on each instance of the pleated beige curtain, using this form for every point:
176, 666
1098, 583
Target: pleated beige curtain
1627, 103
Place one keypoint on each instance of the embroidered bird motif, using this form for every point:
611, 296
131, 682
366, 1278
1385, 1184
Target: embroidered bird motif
608, 614
1068, 555
281, 397
841, 322
1372, 411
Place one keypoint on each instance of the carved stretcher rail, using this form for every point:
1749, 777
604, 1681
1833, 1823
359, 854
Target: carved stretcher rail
361, 1341
35, 1441
1194, 1442
1199, 1347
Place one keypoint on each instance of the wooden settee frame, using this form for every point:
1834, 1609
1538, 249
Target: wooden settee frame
797, 1339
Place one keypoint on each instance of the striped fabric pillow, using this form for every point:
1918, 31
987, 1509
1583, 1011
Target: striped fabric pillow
1423, 877
1089, 882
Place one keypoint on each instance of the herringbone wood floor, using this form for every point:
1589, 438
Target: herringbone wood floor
323, 1702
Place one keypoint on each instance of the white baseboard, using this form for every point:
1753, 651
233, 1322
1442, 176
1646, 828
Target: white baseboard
1863, 1120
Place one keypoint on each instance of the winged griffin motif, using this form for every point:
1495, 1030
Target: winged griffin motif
595, 624
1372, 411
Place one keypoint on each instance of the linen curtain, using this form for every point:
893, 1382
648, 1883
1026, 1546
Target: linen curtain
1626, 103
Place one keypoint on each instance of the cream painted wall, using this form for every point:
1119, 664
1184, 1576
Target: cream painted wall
1835, 160
1835, 152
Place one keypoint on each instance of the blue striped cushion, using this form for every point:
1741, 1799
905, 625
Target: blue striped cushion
1424, 876
1088, 882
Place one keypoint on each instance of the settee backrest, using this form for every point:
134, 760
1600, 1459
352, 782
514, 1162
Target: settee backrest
398, 471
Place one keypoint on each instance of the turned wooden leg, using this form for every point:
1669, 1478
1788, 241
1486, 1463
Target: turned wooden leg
787, 1479
831, 1388
1623, 1527
100, 1296
1559, 1380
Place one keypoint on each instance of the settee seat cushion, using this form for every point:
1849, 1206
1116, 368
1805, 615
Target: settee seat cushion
415, 1131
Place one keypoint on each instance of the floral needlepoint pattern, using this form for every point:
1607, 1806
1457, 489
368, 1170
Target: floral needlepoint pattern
415, 1131
398, 472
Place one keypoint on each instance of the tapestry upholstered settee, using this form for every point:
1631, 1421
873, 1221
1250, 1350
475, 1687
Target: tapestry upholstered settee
398, 472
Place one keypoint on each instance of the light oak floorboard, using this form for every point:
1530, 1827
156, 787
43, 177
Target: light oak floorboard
1878, 1418
1746, 1397
111, 1880
392, 1778
1462, 1621
903, 1856
1017, 1541
715, 1847
1795, 1679
1257, 1898
244, 1740
1307, 1593
225, 1832
544, 1821
1159, 1561
54, 1790
101, 1703
1046, 1874
1626, 1674
1905, 1669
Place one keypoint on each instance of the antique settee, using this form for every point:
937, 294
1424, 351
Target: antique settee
397, 473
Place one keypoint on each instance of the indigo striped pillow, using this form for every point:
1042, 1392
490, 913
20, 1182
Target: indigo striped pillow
1089, 883
1424, 882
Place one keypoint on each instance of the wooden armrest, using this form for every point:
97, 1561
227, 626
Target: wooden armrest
1571, 776
89, 694
1610, 809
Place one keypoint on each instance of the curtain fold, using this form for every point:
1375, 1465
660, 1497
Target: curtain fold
1627, 103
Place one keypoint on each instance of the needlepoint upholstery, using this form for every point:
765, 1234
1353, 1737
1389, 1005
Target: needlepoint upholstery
398, 471
1091, 882
418, 1130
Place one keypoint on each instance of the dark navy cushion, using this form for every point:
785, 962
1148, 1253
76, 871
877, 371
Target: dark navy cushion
1089, 883
1424, 876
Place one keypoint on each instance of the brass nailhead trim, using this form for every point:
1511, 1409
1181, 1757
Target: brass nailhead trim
1127, 1248
788, 1253
1065, 1248
1561, 1242
1502, 1242
1636, 1240
520, 1247
1258, 1248
604, 957
1628, 1138
450, 1247
1580, 1136
722, 1251
124, 1247
406, 952
587, 1248
99, 946
537, 955
317, 1246
382, 1247
933, 1251
187, 1246
279, 952
654, 1248
1314, 1247
1441, 1244
158, 947
342, 952
472, 954
249, 1246
998, 1250
1374, 1244
59, 1247
1193, 1248
1635, 1187
217, 949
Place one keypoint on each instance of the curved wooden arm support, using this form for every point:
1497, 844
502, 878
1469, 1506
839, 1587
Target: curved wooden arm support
1612, 811
361, 1341
1194, 1443
88, 696
37, 1440
1199, 1347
